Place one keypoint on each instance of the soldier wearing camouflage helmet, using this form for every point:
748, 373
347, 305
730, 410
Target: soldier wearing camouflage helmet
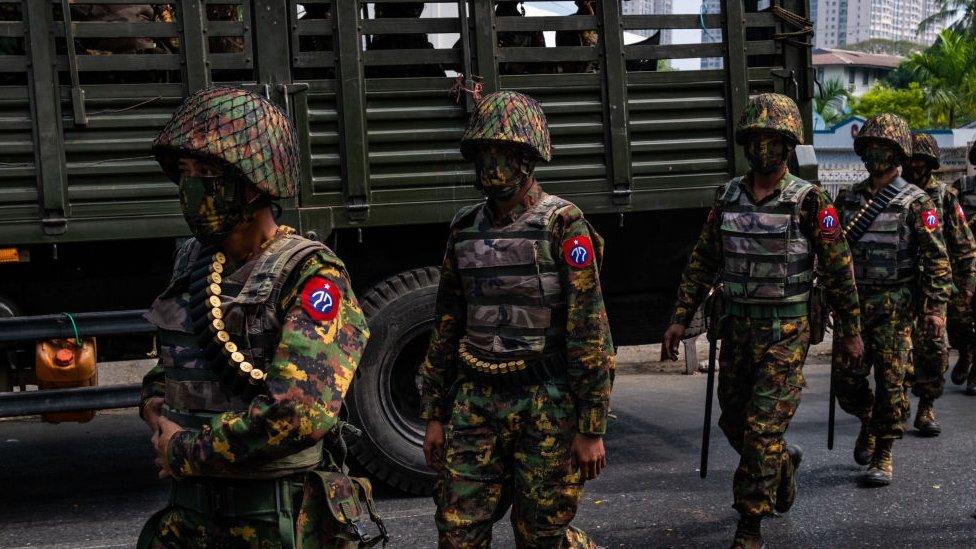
757, 250
902, 269
259, 335
962, 324
931, 355
520, 364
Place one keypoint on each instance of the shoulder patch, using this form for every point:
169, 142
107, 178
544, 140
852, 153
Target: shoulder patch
930, 219
829, 221
961, 213
321, 298
578, 251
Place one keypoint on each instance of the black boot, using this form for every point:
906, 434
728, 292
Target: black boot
961, 370
786, 493
864, 445
881, 470
748, 534
925, 420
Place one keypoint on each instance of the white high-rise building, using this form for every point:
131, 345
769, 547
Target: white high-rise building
649, 7
843, 22
711, 36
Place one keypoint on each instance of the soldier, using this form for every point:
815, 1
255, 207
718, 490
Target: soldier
760, 242
519, 39
415, 41
577, 38
931, 356
901, 267
259, 332
962, 327
521, 362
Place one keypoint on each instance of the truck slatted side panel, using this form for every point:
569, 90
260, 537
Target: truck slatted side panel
18, 187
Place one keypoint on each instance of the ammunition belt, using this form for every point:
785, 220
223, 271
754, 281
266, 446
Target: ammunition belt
514, 373
224, 354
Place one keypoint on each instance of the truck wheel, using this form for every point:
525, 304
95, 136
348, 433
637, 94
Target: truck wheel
385, 397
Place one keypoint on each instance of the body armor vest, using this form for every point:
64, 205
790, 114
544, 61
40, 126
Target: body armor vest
516, 307
767, 259
885, 255
249, 298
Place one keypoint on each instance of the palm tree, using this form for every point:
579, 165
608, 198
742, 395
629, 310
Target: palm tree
831, 100
961, 14
946, 71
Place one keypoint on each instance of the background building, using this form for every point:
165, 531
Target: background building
858, 71
844, 22
713, 35
649, 7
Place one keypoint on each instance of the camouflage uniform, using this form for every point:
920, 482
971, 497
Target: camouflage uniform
962, 324
901, 268
247, 439
588, 37
401, 42
519, 39
931, 356
519, 288
766, 332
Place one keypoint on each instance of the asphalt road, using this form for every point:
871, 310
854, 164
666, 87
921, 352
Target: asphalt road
87, 486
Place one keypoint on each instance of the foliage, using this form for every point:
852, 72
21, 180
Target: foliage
947, 72
909, 103
831, 100
887, 47
960, 14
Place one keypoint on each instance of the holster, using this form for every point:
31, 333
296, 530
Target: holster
714, 312
818, 312
349, 504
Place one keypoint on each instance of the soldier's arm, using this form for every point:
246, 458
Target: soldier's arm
589, 348
312, 368
835, 266
960, 244
935, 275
699, 275
439, 369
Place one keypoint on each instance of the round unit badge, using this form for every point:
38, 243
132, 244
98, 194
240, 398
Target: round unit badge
962, 214
578, 251
321, 298
829, 222
930, 219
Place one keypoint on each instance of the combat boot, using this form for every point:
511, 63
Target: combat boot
882, 467
961, 370
925, 420
786, 493
864, 445
971, 383
748, 534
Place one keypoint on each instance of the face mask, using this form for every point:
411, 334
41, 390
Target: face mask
213, 206
500, 172
766, 153
917, 172
879, 159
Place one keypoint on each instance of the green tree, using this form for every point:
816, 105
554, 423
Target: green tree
960, 14
909, 103
886, 47
947, 71
830, 101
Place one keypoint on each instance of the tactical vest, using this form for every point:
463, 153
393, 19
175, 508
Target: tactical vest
249, 297
967, 195
767, 259
885, 255
516, 306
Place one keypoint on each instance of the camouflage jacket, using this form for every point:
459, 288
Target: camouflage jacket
311, 371
589, 347
958, 237
833, 255
934, 279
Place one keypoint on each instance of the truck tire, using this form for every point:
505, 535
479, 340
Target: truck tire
385, 397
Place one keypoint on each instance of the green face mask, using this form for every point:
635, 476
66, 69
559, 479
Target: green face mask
501, 172
766, 153
213, 206
879, 159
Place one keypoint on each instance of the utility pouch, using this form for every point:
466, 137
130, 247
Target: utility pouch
818, 312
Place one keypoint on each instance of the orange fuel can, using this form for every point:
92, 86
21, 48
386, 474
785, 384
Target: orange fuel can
62, 363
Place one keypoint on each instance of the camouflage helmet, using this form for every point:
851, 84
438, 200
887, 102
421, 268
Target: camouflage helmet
508, 117
771, 112
241, 131
925, 146
887, 128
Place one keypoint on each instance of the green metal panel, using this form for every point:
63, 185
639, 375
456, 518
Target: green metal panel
355, 161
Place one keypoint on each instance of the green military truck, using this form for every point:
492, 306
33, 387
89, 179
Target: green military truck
88, 223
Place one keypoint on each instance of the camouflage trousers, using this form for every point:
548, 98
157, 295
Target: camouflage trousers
930, 361
960, 324
176, 527
759, 383
510, 448
886, 328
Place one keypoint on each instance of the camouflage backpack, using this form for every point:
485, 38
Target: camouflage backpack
771, 112
887, 128
925, 146
508, 117
241, 131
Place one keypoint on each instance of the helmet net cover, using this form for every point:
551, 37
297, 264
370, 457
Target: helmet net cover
771, 112
925, 146
887, 128
509, 118
241, 131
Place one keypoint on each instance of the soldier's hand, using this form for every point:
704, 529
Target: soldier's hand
589, 455
672, 337
152, 409
434, 445
853, 350
934, 325
160, 442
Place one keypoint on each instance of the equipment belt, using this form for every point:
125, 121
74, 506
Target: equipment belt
790, 310
238, 498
